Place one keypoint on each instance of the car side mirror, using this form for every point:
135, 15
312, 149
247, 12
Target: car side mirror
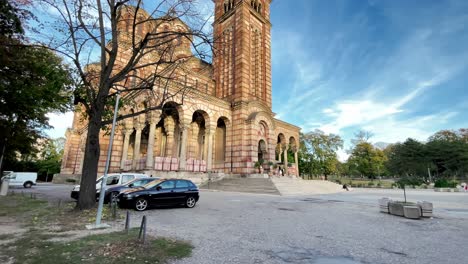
131, 185
158, 188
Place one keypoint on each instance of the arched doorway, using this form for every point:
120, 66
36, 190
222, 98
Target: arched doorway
220, 143
280, 147
262, 150
197, 135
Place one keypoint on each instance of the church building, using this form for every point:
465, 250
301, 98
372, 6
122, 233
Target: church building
224, 125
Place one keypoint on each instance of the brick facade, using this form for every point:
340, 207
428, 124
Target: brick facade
225, 123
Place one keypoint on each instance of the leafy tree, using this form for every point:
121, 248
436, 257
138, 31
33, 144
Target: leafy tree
366, 160
362, 136
134, 61
318, 153
448, 151
408, 159
45, 160
33, 82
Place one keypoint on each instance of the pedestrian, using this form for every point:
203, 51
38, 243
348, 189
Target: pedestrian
345, 187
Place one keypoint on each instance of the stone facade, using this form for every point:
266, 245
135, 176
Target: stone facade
225, 123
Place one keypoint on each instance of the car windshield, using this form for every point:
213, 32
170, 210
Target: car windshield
152, 184
139, 182
111, 179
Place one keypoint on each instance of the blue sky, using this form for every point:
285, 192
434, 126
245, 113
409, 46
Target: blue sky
396, 68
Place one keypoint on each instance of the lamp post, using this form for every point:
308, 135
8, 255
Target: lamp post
106, 170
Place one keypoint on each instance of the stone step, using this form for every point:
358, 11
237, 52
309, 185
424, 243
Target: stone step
250, 185
297, 186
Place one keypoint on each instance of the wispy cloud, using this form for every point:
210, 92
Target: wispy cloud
377, 74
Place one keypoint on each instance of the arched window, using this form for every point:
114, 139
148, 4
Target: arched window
228, 5
256, 5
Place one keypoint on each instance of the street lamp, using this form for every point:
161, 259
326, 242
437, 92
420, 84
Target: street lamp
106, 170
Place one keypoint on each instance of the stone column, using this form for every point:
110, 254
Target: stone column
296, 160
136, 150
209, 137
183, 147
169, 126
195, 129
126, 142
154, 119
157, 148
279, 153
285, 159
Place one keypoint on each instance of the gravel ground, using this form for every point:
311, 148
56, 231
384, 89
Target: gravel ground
343, 228
242, 228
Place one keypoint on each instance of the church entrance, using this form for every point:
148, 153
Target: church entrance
262, 150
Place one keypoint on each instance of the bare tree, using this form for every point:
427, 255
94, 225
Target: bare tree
122, 46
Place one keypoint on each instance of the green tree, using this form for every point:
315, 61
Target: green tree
50, 158
138, 60
33, 82
366, 160
448, 152
318, 153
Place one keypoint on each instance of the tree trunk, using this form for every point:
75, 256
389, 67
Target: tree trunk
87, 197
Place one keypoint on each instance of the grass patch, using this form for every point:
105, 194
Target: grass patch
364, 183
108, 248
40, 217
39, 213
6, 236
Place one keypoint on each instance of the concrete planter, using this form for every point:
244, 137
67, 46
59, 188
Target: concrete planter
412, 211
396, 208
426, 208
383, 205
407, 210
446, 190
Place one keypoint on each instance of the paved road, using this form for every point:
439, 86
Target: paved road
53, 192
343, 228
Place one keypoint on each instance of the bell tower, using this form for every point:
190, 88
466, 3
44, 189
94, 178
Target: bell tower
242, 56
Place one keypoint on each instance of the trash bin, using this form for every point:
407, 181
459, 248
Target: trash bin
4, 188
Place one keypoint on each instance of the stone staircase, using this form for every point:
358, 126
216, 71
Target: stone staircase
296, 186
238, 184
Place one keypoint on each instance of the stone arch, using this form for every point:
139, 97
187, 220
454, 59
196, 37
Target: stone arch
168, 144
280, 145
262, 116
293, 145
197, 129
207, 113
262, 150
220, 141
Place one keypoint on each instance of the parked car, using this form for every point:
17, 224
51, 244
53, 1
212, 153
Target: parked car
25, 179
113, 192
112, 179
160, 193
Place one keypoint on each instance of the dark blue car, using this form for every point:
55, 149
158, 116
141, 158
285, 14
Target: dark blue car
112, 193
164, 192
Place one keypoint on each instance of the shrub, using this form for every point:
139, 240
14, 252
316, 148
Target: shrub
338, 181
444, 183
370, 184
71, 180
379, 185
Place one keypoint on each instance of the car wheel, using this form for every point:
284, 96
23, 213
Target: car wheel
113, 197
190, 202
27, 185
141, 204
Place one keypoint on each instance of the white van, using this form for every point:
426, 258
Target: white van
113, 179
25, 179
